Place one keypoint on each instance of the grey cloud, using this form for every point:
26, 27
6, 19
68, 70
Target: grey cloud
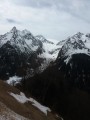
33, 3
12, 21
40, 3
77, 8
48, 3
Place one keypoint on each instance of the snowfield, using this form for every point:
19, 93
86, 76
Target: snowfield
13, 80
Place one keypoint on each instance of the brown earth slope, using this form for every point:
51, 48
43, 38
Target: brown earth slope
26, 110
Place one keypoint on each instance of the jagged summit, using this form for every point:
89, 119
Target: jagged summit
14, 29
78, 34
22, 33
14, 32
21, 40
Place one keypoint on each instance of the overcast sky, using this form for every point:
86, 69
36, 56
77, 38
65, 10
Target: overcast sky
54, 19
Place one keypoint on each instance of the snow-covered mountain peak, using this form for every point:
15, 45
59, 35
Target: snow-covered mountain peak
76, 38
22, 33
78, 35
22, 41
13, 30
78, 43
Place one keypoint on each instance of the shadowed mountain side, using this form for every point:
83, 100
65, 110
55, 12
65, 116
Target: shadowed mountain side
62, 87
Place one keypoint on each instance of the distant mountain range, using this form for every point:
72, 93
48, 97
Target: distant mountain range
56, 74
23, 54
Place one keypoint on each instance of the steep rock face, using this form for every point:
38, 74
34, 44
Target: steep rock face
65, 85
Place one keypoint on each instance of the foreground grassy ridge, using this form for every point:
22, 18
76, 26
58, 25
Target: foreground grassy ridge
25, 110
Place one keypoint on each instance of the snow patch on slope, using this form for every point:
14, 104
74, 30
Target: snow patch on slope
22, 99
42, 108
13, 80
